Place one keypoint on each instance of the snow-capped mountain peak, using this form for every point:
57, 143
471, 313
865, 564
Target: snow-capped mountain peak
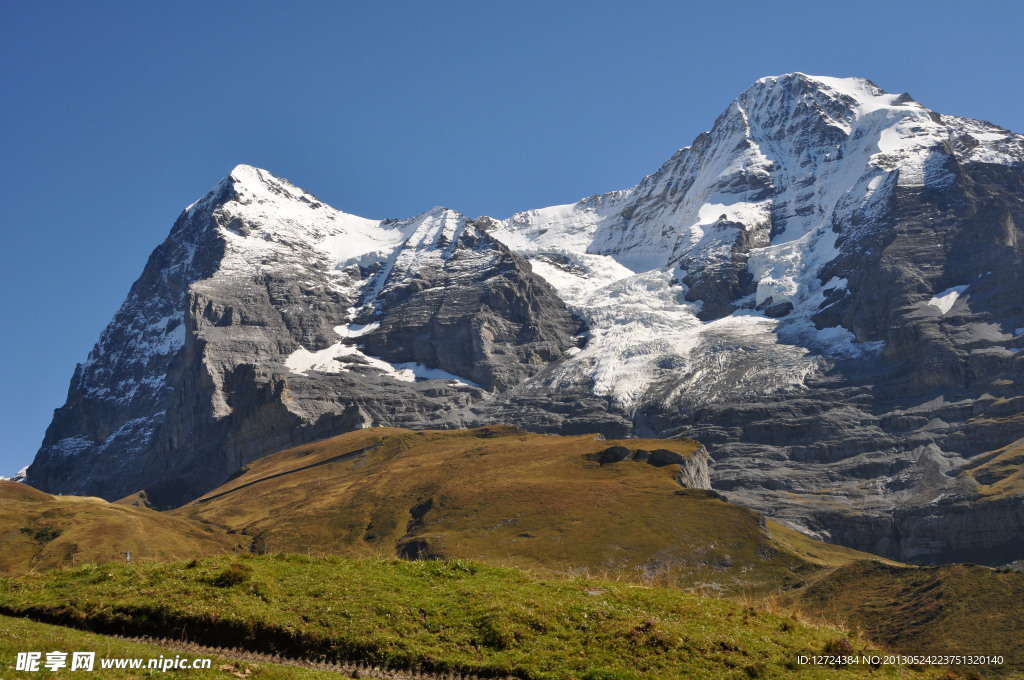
823, 287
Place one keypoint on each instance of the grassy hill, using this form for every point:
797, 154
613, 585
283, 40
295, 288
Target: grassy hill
512, 498
999, 474
949, 609
441, 616
552, 506
39, 531
532, 501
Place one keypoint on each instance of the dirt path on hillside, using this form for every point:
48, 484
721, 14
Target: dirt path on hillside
352, 670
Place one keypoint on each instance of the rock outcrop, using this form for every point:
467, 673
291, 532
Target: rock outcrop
692, 470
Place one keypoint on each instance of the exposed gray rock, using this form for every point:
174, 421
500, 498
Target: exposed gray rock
661, 457
240, 339
476, 311
779, 310
693, 470
614, 454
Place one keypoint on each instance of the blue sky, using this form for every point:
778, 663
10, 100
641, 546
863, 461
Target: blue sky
114, 116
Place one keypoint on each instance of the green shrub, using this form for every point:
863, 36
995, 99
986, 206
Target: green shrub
42, 534
232, 575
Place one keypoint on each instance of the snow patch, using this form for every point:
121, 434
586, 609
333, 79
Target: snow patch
990, 136
945, 300
341, 357
422, 372
356, 330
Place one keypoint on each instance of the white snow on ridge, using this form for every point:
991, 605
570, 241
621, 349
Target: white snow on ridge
986, 143
18, 476
619, 261
945, 300
991, 136
430, 239
282, 220
561, 227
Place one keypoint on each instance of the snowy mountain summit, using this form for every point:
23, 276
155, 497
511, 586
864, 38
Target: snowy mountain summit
823, 289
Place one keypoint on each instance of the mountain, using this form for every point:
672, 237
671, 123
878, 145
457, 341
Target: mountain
823, 289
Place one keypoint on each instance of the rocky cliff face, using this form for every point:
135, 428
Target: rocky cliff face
268, 319
823, 288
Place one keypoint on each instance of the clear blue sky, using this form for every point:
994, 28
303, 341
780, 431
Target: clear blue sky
114, 116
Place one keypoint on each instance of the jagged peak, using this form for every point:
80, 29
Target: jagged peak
247, 182
439, 210
244, 172
250, 181
778, 107
834, 82
858, 96
859, 89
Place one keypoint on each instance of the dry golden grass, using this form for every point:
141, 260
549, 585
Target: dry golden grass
949, 609
510, 498
39, 531
999, 474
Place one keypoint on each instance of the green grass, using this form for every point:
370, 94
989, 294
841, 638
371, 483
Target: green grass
438, 615
21, 635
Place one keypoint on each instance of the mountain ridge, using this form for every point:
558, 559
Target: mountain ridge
819, 288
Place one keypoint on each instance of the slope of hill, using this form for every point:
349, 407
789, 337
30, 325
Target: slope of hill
567, 504
509, 497
443, 616
949, 609
556, 506
40, 532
